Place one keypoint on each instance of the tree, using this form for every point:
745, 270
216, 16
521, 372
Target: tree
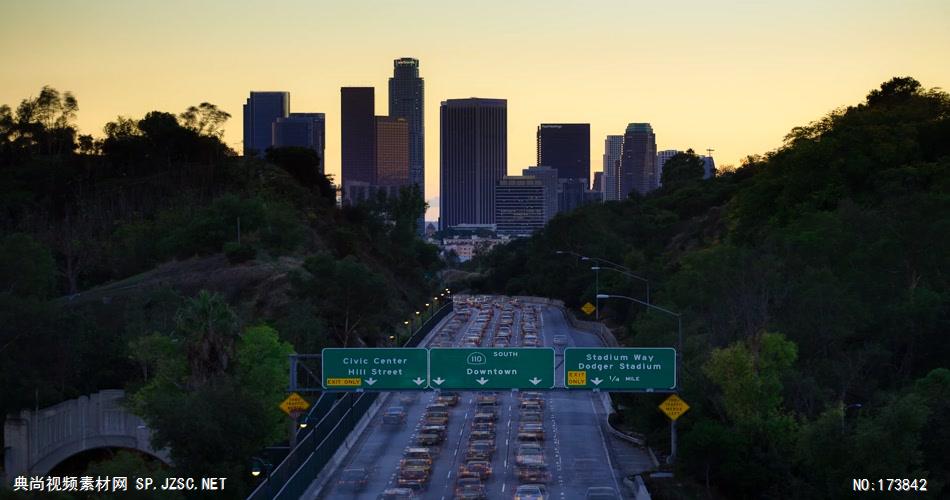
263, 367
682, 168
27, 268
205, 119
209, 328
347, 293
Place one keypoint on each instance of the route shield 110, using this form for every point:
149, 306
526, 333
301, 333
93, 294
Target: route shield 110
374, 369
620, 368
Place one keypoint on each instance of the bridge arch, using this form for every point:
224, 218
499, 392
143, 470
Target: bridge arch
36, 441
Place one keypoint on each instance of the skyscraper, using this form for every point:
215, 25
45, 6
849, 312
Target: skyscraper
473, 154
261, 110
392, 154
358, 138
407, 100
303, 130
638, 162
566, 148
519, 205
661, 159
613, 150
548, 178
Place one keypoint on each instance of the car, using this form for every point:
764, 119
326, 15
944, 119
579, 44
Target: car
488, 436
415, 478
428, 440
439, 430
530, 432
448, 398
531, 492
419, 453
484, 417
489, 399
533, 473
560, 340
407, 398
415, 464
526, 451
475, 492
394, 415
476, 468
484, 426
464, 482
602, 493
353, 479
479, 450
531, 417
531, 404
397, 494
436, 418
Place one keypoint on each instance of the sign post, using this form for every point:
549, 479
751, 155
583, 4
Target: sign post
374, 369
491, 368
620, 368
673, 407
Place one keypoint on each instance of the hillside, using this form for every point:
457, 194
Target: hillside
813, 286
156, 260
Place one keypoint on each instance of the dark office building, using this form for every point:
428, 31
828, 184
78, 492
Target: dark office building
598, 185
302, 130
473, 158
261, 110
392, 154
571, 194
638, 161
358, 136
519, 205
565, 147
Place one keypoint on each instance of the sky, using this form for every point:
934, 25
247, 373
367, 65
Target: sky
734, 76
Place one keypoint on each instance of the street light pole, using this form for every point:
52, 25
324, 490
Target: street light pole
613, 266
679, 357
597, 291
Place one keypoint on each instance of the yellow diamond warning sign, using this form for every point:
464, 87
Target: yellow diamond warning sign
294, 403
576, 377
588, 308
673, 406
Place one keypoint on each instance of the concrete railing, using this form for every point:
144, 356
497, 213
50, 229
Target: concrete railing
36, 441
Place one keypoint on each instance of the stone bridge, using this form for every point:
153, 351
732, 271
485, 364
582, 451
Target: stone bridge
36, 441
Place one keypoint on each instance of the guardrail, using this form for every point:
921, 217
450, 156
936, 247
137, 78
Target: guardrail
290, 479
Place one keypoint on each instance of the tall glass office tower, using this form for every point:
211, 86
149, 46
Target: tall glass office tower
261, 110
407, 101
638, 162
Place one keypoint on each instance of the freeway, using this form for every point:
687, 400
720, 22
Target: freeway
573, 449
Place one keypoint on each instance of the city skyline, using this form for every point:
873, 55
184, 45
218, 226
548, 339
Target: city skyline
733, 79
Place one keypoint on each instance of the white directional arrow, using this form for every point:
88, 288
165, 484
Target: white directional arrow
596, 381
482, 380
418, 380
534, 381
438, 381
370, 381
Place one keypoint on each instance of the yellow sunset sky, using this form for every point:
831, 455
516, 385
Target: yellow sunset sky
735, 76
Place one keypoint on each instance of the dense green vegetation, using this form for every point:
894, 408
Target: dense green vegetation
813, 283
156, 260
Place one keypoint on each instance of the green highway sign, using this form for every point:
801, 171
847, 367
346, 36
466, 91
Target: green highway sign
620, 368
374, 369
491, 368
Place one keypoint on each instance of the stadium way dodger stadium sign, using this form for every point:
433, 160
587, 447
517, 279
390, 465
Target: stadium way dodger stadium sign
620, 368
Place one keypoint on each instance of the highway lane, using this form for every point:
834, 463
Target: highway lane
574, 449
